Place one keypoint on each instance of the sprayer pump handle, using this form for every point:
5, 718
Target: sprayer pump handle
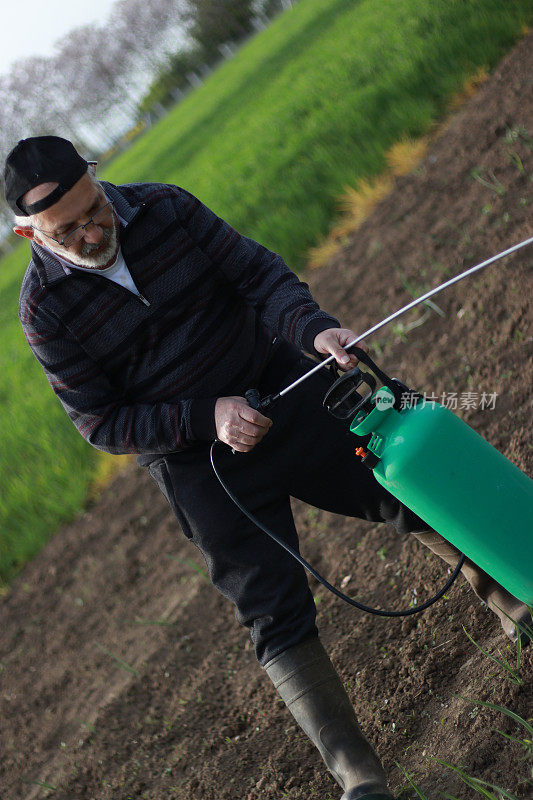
342, 399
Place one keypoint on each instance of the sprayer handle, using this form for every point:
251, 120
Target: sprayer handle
253, 398
259, 403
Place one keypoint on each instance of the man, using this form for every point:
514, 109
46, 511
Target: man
151, 317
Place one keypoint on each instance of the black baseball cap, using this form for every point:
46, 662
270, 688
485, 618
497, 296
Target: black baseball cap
41, 159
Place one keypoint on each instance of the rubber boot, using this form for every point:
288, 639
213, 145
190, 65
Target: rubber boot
495, 596
315, 696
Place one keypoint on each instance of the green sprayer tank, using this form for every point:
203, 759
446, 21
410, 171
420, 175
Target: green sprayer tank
459, 484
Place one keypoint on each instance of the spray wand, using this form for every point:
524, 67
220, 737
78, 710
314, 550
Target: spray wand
266, 402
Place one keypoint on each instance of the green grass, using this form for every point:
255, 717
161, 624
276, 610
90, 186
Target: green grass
313, 104
45, 466
269, 142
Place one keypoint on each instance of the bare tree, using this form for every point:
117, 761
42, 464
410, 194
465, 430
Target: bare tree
213, 22
90, 89
91, 65
146, 30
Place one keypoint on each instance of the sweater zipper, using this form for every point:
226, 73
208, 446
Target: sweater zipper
121, 288
143, 299
140, 296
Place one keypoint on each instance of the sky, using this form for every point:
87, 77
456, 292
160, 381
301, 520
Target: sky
33, 26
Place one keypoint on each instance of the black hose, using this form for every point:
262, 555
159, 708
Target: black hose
379, 612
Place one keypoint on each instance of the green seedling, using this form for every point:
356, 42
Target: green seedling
515, 159
87, 725
399, 331
402, 329
521, 627
518, 132
122, 664
141, 621
40, 783
491, 182
413, 785
484, 788
511, 714
509, 672
415, 290
420, 321
192, 564
525, 743
488, 790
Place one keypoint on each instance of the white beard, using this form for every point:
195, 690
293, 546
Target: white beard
96, 260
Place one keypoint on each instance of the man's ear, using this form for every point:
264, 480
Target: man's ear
28, 232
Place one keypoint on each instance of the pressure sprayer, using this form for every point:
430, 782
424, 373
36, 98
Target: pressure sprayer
434, 463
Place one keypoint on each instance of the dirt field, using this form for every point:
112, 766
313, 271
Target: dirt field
187, 713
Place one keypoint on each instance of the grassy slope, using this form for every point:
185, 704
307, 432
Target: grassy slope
311, 106
306, 108
45, 466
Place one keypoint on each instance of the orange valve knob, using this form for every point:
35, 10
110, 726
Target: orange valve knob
360, 451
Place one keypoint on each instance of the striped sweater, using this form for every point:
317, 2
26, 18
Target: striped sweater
142, 374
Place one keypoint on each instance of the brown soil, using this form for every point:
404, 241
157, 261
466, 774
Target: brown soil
193, 716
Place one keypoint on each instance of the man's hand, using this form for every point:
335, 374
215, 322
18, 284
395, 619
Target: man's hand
332, 342
239, 425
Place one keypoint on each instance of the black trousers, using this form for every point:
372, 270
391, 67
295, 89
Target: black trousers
307, 454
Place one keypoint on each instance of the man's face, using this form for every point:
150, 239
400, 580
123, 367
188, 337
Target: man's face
99, 243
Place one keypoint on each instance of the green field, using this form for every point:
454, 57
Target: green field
270, 141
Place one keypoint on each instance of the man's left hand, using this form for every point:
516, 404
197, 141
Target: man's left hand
332, 342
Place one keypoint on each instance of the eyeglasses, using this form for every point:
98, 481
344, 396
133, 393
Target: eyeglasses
100, 217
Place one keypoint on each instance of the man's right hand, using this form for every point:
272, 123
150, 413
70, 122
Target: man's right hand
239, 425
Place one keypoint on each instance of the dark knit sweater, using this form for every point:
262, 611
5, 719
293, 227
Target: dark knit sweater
137, 378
